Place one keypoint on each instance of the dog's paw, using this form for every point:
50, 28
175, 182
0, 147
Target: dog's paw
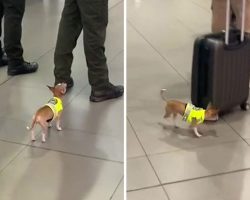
43, 138
33, 139
59, 128
198, 135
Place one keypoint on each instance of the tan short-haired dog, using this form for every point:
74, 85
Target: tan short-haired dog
191, 114
50, 111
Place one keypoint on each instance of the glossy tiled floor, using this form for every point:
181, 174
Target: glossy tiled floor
85, 160
165, 163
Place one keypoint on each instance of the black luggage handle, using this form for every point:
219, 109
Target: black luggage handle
228, 21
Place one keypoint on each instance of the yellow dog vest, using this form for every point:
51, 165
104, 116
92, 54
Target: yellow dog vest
56, 105
194, 113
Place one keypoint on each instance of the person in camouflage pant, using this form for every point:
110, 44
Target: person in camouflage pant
91, 16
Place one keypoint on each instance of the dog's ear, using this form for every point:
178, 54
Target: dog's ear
211, 107
52, 89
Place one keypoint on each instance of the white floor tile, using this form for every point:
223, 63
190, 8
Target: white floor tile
227, 187
119, 194
8, 152
148, 194
201, 162
42, 174
134, 148
140, 174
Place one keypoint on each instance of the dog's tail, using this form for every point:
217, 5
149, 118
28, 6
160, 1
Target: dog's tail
162, 94
32, 124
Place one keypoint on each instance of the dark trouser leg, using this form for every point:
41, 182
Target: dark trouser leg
70, 28
94, 15
13, 15
1, 17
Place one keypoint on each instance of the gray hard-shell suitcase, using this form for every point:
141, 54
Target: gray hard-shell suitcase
221, 69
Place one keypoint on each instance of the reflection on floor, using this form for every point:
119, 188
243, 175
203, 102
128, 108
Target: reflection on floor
85, 160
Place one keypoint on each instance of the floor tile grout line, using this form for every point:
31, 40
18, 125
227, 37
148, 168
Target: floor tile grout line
147, 157
195, 3
36, 59
104, 134
165, 191
115, 56
144, 188
76, 95
207, 176
76, 154
179, 150
191, 179
64, 152
112, 195
2, 83
157, 51
44, 54
235, 131
12, 160
12, 142
187, 27
115, 5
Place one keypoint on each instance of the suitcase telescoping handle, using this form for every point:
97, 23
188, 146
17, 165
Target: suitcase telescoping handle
228, 21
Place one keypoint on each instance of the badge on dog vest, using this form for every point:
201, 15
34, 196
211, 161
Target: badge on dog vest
194, 113
56, 105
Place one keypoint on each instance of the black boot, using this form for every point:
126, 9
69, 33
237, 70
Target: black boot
108, 92
3, 59
24, 68
69, 82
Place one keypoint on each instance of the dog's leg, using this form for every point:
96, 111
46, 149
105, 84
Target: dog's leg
58, 122
196, 132
44, 126
174, 120
167, 114
31, 128
49, 125
33, 138
194, 126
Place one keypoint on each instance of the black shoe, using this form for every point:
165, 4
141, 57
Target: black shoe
70, 83
109, 92
24, 68
3, 60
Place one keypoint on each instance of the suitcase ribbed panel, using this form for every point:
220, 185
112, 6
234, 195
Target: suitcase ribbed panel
230, 76
219, 75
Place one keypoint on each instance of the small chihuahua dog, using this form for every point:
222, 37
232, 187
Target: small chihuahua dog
189, 112
50, 111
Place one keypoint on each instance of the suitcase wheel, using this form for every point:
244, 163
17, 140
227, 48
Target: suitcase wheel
244, 106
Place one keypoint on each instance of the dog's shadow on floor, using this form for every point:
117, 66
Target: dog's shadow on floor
188, 132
